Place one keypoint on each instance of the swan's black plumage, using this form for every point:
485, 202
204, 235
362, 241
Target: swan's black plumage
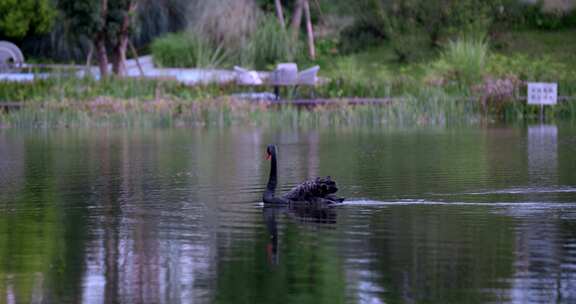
316, 191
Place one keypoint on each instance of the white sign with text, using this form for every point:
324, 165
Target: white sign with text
541, 93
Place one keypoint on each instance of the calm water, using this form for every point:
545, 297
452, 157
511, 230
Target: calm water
174, 216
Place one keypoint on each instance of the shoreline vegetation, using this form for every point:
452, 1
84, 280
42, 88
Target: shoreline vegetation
466, 64
61, 103
466, 83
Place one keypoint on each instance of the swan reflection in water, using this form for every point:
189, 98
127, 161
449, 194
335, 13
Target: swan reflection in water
303, 214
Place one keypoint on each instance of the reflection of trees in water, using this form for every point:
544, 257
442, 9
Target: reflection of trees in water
100, 216
544, 256
441, 254
432, 255
37, 240
135, 258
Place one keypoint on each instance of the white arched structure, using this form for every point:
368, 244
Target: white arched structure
10, 55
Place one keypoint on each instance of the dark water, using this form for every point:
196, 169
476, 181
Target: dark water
174, 216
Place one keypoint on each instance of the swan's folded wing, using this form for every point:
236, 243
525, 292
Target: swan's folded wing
319, 187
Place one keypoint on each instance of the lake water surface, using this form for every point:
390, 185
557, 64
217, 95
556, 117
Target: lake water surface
478, 215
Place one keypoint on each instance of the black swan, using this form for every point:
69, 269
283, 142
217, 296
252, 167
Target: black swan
318, 191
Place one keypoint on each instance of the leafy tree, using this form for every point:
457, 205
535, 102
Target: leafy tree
21, 17
107, 23
70, 39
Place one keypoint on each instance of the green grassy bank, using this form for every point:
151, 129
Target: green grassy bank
139, 103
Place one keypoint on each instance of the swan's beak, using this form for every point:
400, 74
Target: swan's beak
268, 156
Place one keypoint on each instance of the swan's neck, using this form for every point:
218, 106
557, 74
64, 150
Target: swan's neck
273, 179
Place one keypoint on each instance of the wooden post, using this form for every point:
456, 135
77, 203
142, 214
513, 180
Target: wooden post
297, 19
280, 13
310, 31
119, 64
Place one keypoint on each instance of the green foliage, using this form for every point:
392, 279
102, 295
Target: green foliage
360, 36
19, 18
528, 68
80, 17
84, 21
520, 15
327, 47
412, 27
70, 39
187, 49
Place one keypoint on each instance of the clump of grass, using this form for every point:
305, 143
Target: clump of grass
270, 44
226, 22
187, 49
461, 63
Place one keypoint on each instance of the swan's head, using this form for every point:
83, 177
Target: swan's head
270, 150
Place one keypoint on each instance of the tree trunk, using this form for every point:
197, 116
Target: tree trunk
135, 54
310, 31
100, 41
280, 13
119, 64
101, 54
297, 19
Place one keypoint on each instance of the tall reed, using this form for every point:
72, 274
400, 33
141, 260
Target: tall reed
270, 44
462, 63
187, 49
